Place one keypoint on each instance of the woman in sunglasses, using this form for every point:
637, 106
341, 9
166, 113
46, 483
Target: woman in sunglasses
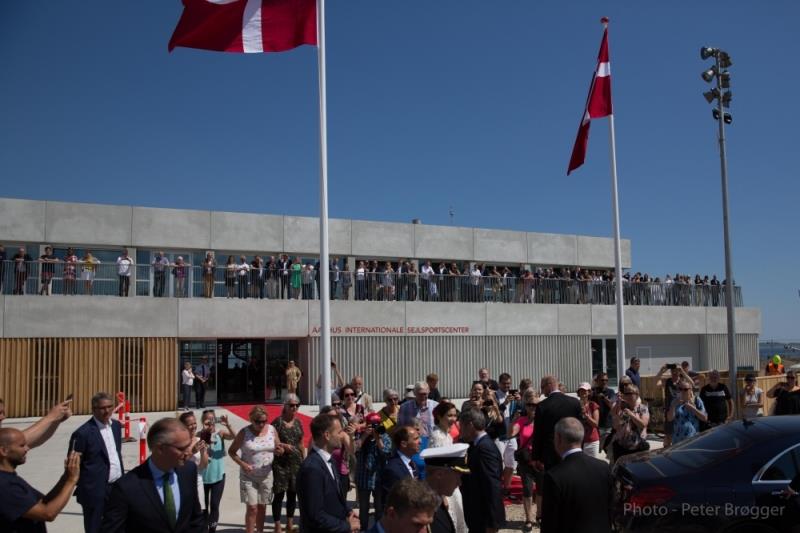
686, 413
522, 430
630, 417
787, 395
258, 443
285, 467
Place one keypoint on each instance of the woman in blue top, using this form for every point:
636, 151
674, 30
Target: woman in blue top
214, 474
686, 413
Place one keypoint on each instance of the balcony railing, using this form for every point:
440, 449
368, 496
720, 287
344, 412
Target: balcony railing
188, 281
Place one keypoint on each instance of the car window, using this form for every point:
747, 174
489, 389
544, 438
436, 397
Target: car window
784, 468
708, 447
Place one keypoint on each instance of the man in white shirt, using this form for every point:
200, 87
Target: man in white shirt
426, 275
124, 264
362, 398
99, 441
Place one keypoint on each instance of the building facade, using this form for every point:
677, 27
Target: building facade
85, 337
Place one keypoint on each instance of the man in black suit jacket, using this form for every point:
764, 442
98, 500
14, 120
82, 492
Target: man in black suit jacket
99, 441
160, 495
548, 412
577, 492
323, 506
406, 443
481, 488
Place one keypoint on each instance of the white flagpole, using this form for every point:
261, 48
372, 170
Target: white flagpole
617, 254
617, 246
324, 297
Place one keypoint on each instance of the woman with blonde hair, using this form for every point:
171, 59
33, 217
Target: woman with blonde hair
258, 443
630, 419
286, 466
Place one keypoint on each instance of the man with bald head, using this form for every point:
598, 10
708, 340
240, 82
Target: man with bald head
160, 495
576, 492
23, 508
549, 411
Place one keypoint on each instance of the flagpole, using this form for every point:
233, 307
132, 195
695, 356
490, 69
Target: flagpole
324, 297
617, 245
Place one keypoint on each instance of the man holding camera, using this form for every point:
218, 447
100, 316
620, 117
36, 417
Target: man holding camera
604, 397
371, 457
671, 392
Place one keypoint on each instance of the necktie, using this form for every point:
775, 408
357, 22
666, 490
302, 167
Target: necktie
414, 469
333, 468
169, 502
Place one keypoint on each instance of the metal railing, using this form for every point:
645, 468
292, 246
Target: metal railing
236, 281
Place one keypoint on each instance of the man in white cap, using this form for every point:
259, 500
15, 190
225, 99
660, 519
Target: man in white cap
443, 468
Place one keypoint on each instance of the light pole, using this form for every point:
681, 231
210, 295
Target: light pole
719, 72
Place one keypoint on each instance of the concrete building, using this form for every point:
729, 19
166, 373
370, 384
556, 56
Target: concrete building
50, 346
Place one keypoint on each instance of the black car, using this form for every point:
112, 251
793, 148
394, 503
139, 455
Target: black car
727, 479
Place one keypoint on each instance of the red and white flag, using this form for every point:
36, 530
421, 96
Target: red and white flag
597, 105
246, 26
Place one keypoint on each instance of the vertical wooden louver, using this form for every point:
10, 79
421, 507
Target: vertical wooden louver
37, 373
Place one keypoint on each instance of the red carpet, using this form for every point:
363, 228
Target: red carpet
273, 412
516, 491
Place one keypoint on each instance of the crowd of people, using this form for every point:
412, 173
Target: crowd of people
417, 462
285, 277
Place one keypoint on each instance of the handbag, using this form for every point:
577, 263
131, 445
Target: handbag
523, 455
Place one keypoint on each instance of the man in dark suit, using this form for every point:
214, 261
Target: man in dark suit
483, 494
160, 495
577, 492
548, 412
99, 441
406, 443
323, 506
410, 507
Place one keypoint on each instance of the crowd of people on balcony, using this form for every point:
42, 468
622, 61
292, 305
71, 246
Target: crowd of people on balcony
285, 277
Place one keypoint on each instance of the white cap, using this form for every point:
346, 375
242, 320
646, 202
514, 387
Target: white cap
453, 456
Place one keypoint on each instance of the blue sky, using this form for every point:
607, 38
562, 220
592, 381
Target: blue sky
431, 104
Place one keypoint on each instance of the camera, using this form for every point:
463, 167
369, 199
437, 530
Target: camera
514, 391
672, 366
205, 436
378, 428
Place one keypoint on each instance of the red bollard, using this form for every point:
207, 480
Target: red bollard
142, 440
121, 406
127, 426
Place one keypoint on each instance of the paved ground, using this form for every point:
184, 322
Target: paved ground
45, 465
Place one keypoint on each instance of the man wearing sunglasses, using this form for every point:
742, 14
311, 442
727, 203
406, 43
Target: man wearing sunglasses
787, 395
160, 495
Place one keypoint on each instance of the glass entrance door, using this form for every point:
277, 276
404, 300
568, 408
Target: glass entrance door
279, 353
604, 359
241, 369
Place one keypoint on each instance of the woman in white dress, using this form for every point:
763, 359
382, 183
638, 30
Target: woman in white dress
199, 453
258, 443
444, 416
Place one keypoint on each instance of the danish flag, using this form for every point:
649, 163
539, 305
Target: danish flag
246, 26
598, 104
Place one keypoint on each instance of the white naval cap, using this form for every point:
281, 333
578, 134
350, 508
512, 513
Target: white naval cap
453, 456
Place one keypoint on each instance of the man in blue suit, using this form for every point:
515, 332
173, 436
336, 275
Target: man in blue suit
406, 444
160, 495
323, 506
99, 441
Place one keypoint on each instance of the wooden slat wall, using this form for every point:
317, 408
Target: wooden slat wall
37, 373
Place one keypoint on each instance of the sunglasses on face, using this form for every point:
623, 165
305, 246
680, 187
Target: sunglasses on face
336, 404
349, 395
685, 389
259, 422
293, 405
